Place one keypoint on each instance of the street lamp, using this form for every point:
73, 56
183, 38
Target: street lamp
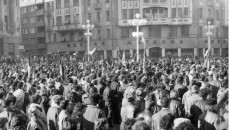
137, 22
209, 33
88, 27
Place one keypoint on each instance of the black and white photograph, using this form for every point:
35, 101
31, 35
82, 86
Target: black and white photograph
114, 64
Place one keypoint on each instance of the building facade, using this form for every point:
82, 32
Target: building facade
174, 27
9, 27
36, 25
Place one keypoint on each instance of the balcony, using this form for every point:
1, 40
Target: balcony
97, 6
40, 34
160, 21
40, 23
70, 27
40, 12
155, 3
49, 28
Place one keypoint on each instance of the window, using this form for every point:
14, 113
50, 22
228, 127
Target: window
125, 32
108, 33
72, 36
88, 2
66, 3
75, 2
217, 15
163, 13
180, 12
89, 16
209, 13
173, 12
185, 31
200, 12
32, 19
173, 31
67, 19
55, 37
32, 30
130, 13
107, 15
98, 17
200, 31
49, 37
58, 4
155, 31
98, 34
59, 20
217, 32
76, 18
186, 12
25, 20
124, 13
155, 13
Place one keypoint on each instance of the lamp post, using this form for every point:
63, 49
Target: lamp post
137, 22
209, 33
88, 27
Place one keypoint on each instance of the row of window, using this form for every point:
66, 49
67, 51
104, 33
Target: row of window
28, 30
28, 20
155, 31
66, 3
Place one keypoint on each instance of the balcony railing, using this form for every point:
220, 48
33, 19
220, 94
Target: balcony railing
40, 12
40, 23
161, 21
67, 27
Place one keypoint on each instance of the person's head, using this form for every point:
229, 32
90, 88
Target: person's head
101, 124
64, 104
94, 98
174, 94
9, 101
204, 93
165, 102
128, 123
2, 94
185, 126
140, 125
166, 121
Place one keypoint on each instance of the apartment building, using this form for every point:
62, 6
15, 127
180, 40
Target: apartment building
175, 27
70, 15
36, 25
9, 27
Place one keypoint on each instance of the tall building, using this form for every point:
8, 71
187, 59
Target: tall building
174, 27
70, 15
9, 27
36, 25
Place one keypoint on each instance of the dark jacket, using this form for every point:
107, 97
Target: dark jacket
177, 108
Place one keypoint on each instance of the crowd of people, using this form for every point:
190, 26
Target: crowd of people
173, 93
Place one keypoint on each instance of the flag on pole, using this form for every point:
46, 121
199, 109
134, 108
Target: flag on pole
117, 52
143, 40
93, 51
123, 58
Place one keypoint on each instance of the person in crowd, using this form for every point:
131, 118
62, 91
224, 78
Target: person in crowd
176, 107
92, 113
155, 123
53, 113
